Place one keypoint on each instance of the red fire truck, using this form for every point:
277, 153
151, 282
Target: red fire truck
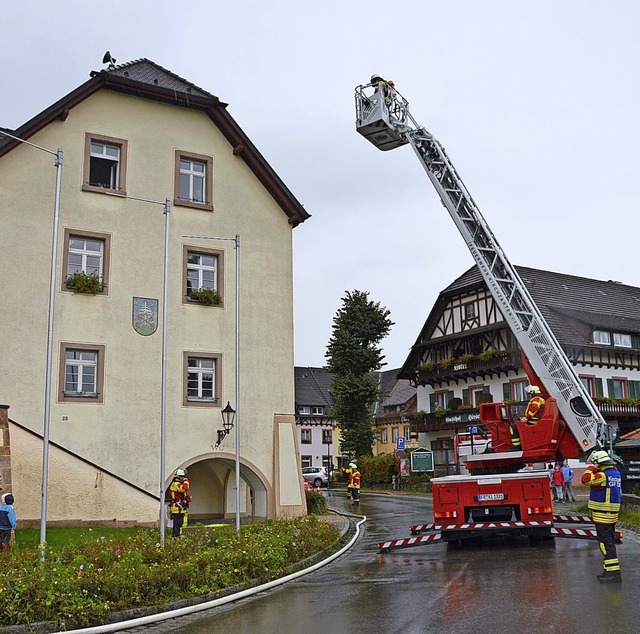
494, 490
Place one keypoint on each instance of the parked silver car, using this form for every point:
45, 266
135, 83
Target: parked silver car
317, 476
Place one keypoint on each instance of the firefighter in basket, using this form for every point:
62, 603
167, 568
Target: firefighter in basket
180, 499
531, 415
605, 496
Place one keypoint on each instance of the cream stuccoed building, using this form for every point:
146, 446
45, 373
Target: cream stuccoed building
133, 136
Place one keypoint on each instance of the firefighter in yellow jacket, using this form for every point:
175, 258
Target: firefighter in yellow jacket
531, 415
354, 484
605, 496
180, 499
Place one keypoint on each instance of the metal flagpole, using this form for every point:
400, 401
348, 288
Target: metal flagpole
237, 242
163, 408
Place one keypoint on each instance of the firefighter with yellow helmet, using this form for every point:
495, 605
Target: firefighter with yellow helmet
532, 413
605, 496
354, 484
180, 499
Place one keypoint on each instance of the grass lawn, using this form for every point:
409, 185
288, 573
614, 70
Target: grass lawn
58, 538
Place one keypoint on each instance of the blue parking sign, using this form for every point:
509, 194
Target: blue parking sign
400, 442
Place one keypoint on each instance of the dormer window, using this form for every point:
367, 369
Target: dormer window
621, 340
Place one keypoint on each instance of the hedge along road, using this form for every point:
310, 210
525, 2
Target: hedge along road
500, 586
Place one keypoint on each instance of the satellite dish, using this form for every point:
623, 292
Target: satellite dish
107, 59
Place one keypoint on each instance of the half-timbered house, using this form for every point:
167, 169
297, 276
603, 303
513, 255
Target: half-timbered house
465, 353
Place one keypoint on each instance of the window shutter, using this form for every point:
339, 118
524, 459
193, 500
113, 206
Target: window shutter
432, 402
599, 388
506, 391
610, 389
634, 389
465, 396
449, 396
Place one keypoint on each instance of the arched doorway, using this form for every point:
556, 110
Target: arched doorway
213, 480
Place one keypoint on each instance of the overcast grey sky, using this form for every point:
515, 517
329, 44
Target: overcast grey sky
536, 102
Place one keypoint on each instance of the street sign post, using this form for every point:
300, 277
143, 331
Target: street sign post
421, 460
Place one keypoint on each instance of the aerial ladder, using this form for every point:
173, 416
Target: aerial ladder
495, 493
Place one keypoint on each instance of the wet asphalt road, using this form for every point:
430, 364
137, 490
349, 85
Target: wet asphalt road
500, 587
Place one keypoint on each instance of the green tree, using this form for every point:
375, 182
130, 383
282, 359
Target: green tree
353, 357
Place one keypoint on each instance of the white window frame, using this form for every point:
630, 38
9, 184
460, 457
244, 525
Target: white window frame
193, 180
305, 436
207, 180
317, 410
68, 269
305, 410
305, 461
327, 436
205, 377
198, 373
602, 337
216, 270
621, 340
97, 148
203, 271
395, 432
91, 356
84, 253
84, 366
384, 435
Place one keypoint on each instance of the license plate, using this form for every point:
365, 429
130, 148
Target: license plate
488, 497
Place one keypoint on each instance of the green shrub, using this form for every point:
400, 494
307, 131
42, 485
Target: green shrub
316, 503
378, 469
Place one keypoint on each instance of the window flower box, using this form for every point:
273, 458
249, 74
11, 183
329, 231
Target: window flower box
207, 296
85, 283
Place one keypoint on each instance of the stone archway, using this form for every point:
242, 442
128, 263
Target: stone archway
213, 481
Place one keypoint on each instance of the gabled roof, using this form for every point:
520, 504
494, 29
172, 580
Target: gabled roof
565, 301
313, 388
146, 79
395, 391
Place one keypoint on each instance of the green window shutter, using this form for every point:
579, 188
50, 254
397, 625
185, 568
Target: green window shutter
506, 391
432, 403
634, 389
465, 396
610, 390
599, 388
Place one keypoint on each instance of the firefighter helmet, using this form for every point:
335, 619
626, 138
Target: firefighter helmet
7, 498
352, 465
376, 78
533, 389
180, 473
601, 457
